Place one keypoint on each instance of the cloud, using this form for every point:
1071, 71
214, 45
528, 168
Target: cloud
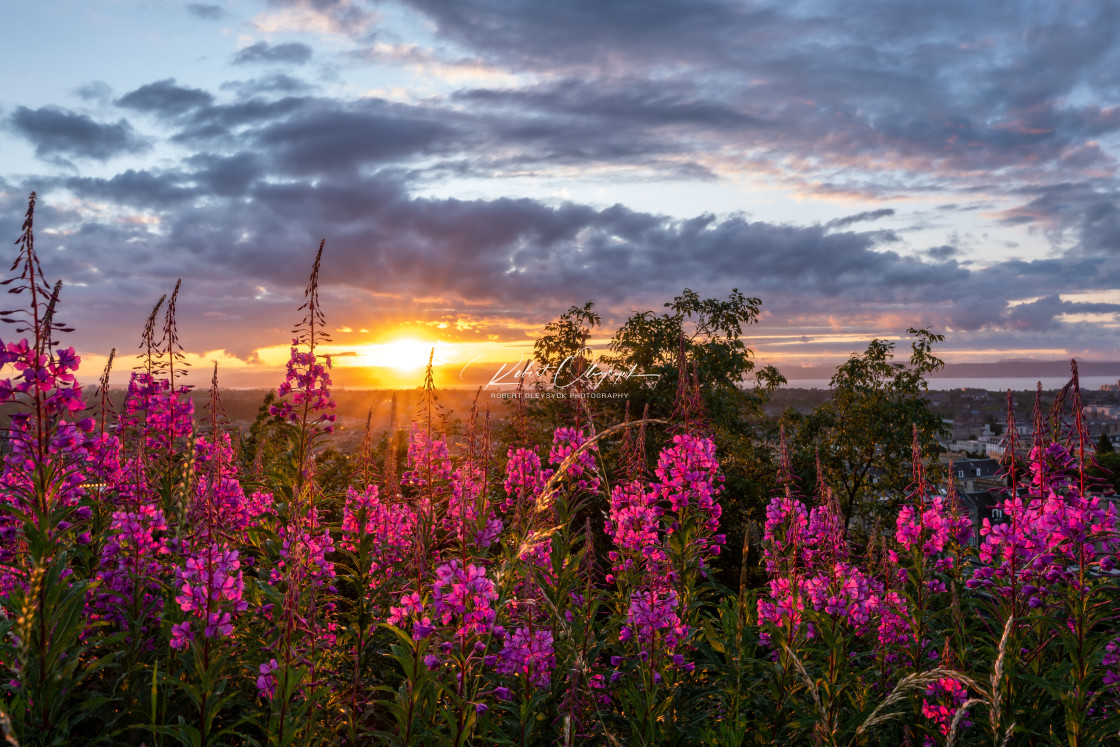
166, 98
275, 83
587, 32
983, 126
346, 17
334, 139
97, 90
138, 189
57, 132
865, 89
222, 123
206, 11
289, 53
849, 220
942, 252
220, 222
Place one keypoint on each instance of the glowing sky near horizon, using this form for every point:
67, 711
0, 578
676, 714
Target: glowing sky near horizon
477, 167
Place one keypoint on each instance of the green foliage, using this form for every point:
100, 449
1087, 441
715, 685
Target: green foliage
864, 435
263, 445
1104, 445
1107, 469
643, 366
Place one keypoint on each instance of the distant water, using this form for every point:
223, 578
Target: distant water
995, 383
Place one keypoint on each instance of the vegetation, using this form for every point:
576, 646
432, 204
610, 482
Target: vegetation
163, 582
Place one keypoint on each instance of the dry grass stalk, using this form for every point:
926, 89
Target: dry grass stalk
544, 500
813, 690
995, 700
902, 690
958, 718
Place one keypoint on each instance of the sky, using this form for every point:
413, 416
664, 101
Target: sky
477, 167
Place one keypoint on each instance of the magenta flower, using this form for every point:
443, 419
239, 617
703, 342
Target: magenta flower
524, 478
941, 702
211, 589
181, 634
528, 652
266, 682
308, 382
463, 598
583, 474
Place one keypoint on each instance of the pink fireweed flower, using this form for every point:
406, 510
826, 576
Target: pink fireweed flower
211, 589
652, 618
388, 526
783, 609
428, 459
258, 505
463, 597
785, 534
1049, 534
524, 478
894, 622
181, 634
824, 543
689, 475
844, 593
583, 474
159, 416
690, 481
529, 653
304, 552
941, 702
634, 525
1110, 662
132, 561
411, 610
266, 682
219, 497
932, 525
468, 516
308, 382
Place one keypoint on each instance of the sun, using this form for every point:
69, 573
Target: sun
404, 355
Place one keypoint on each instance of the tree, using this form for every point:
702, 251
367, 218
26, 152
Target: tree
643, 365
1107, 469
864, 435
1104, 445
562, 351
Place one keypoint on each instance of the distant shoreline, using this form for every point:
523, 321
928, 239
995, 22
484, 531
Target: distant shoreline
989, 383
1000, 370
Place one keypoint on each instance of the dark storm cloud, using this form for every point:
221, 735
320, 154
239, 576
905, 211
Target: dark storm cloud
165, 97
617, 120
648, 103
138, 189
243, 244
498, 253
985, 107
206, 12
947, 90
222, 123
57, 132
1043, 313
1083, 210
541, 36
289, 53
226, 176
332, 139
